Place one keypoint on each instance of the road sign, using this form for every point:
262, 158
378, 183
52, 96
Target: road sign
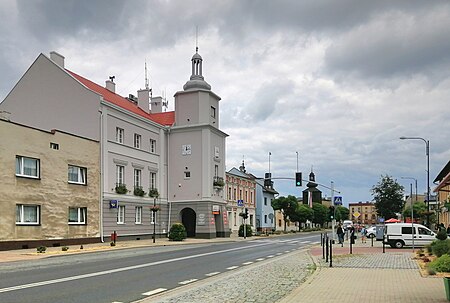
240, 202
356, 214
337, 200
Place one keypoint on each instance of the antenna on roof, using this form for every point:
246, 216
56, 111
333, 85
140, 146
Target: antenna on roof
165, 102
146, 78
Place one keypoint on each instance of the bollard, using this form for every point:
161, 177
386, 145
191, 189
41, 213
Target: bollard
331, 253
352, 241
321, 239
372, 240
383, 245
323, 248
326, 254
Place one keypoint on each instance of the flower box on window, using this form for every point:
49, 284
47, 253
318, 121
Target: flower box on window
218, 182
153, 192
154, 208
138, 191
121, 188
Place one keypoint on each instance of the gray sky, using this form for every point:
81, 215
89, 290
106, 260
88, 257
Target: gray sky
336, 81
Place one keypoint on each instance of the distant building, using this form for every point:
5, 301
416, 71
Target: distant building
443, 195
312, 194
363, 212
265, 194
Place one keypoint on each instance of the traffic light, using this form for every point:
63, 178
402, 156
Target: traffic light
298, 179
244, 214
331, 212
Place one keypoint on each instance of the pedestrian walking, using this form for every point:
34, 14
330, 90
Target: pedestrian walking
363, 234
340, 234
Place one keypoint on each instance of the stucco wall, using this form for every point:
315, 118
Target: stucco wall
52, 191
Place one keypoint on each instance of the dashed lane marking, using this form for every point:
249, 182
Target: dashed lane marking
271, 256
232, 267
154, 292
279, 254
247, 263
305, 242
187, 281
212, 274
260, 259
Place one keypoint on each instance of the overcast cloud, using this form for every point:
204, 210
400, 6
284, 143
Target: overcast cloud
336, 81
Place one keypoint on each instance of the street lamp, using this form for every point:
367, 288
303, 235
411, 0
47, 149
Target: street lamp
415, 180
412, 208
427, 151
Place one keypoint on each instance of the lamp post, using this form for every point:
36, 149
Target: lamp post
427, 151
412, 208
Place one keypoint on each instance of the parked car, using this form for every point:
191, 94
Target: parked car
398, 235
346, 224
371, 232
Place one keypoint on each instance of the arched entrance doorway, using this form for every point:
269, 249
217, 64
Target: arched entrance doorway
188, 218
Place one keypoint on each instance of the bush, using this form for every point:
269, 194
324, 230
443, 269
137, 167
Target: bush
248, 230
442, 235
177, 232
41, 249
440, 248
65, 248
429, 248
112, 243
441, 264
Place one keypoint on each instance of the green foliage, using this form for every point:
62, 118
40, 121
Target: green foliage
41, 249
442, 235
287, 206
153, 193
65, 248
419, 209
138, 191
302, 214
112, 243
429, 248
388, 196
440, 248
121, 189
248, 230
177, 232
441, 264
342, 213
320, 213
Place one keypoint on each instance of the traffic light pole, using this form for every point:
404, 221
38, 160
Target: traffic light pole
333, 221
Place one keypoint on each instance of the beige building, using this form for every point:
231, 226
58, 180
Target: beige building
363, 212
50, 187
443, 194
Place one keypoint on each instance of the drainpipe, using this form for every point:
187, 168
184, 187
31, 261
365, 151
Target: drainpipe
101, 177
167, 189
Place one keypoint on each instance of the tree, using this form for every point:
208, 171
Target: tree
302, 214
287, 206
342, 213
420, 212
320, 213
388, 196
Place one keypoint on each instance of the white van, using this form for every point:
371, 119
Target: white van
346, 224
398, 235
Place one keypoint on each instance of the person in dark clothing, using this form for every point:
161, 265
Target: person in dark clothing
340, 234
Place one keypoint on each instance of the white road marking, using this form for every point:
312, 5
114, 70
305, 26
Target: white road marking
260, 259
279, 254
187, 281
111, 271
305, 242
247, 263
154, 292
271, 256
286, 251
213, 274
232, 267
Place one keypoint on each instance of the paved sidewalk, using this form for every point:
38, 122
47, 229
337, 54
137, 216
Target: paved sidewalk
368, 275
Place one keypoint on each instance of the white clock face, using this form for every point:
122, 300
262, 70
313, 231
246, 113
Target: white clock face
186, 149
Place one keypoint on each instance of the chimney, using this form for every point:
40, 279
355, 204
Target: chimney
110, 85
143, 98
157, 104
57, 58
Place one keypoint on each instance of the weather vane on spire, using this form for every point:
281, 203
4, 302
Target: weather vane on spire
196, 38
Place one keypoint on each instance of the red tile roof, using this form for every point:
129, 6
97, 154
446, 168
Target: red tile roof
166, 118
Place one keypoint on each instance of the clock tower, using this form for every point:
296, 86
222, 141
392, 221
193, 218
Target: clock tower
196, 151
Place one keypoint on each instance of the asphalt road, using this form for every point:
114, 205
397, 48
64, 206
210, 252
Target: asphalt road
132, 274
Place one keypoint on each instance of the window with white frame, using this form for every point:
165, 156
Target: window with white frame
121, 214
152, 180
120, 171
213, 111
77, 174
152, 146
119, 135
137, 177
27, 167
138, 215
137, 141
153, 217
77, 215
27, 214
